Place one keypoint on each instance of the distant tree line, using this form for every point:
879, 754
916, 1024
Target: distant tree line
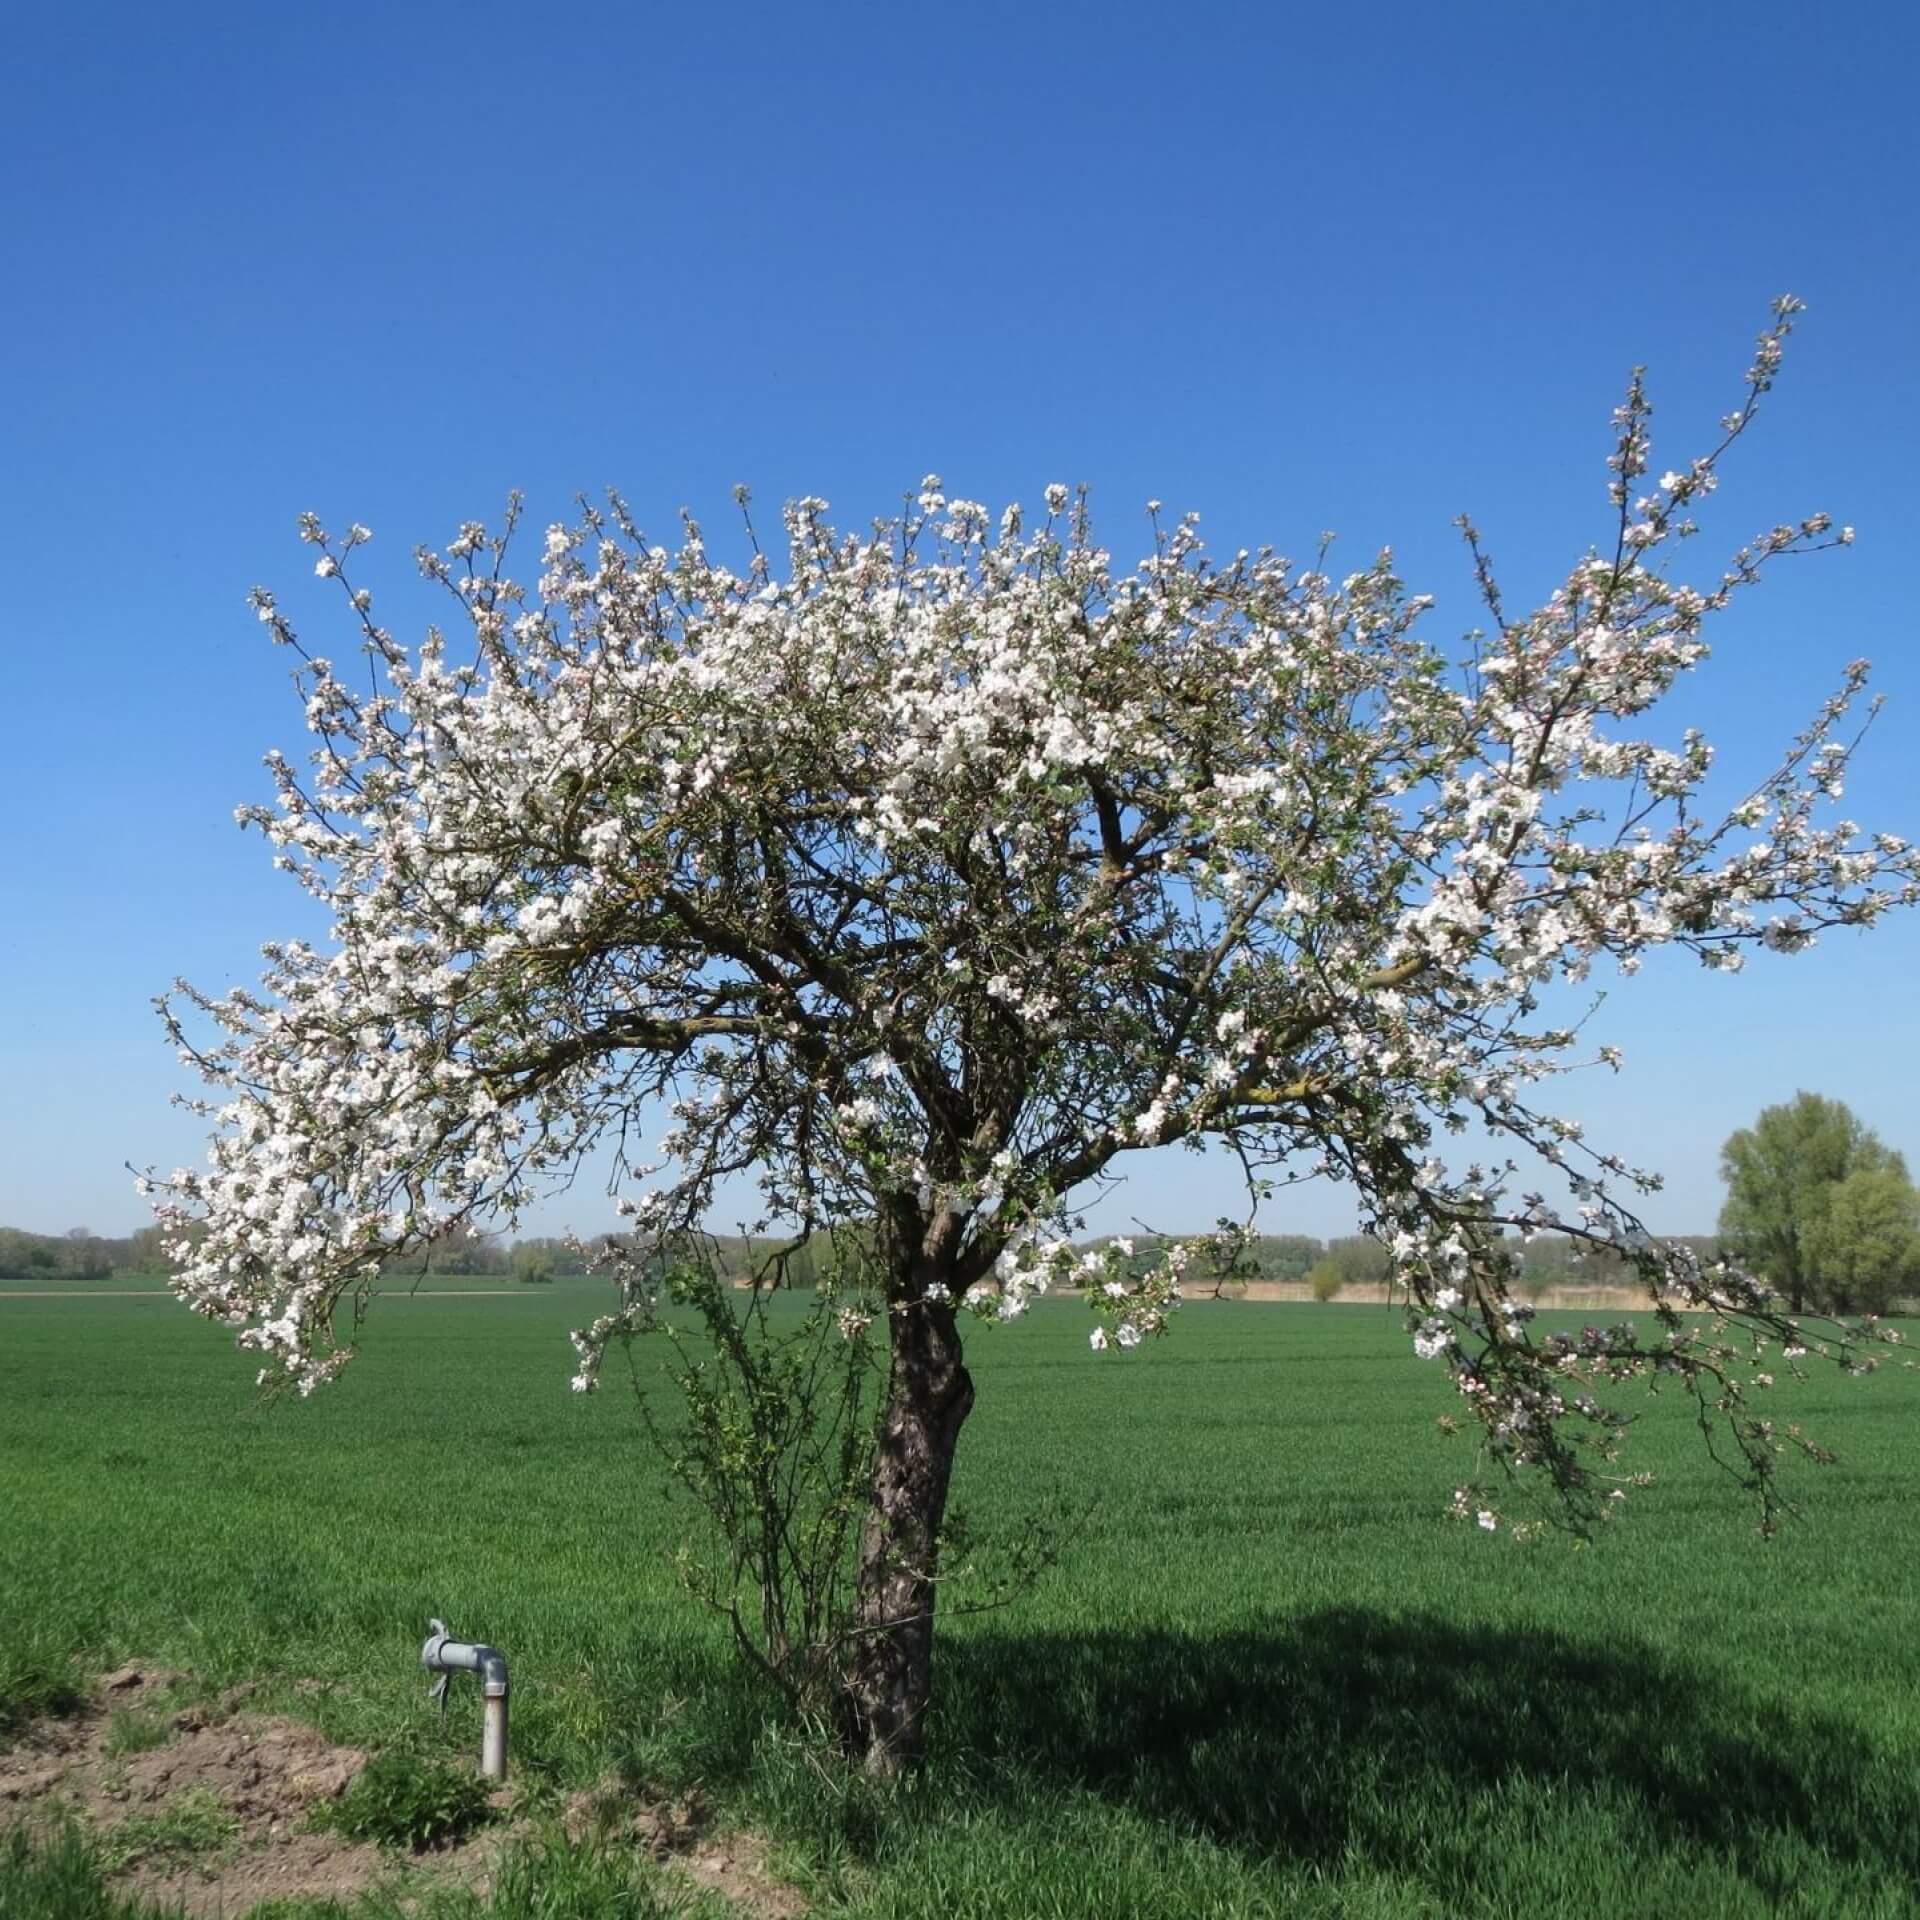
1329, 1267
1816, 1204
463, 1251
77, 1254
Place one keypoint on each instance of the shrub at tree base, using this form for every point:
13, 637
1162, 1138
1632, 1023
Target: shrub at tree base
932, 871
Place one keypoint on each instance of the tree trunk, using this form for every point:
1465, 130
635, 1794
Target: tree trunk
929, 1395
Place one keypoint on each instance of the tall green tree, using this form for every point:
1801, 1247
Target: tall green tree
1782, 1174
1866, 1246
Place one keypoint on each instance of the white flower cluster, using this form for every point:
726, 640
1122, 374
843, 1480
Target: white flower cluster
926, 875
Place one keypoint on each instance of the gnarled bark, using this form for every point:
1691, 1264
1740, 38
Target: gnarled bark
929, 1395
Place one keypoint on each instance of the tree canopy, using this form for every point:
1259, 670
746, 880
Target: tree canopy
1821, 1207
928, 873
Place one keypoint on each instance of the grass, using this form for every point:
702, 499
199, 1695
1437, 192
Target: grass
402, 1800
191, 1826
37, 1676
132, 1731
60, 1875
1266, 1678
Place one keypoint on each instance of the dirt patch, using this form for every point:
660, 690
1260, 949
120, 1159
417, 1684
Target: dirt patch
196, 1802
734, 1865
202, 1805
681, 1835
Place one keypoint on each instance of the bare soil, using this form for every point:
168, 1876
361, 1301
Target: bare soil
258, 1778
682, 1837
214, 1819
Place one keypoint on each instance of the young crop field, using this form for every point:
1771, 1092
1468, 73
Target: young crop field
1266, 1676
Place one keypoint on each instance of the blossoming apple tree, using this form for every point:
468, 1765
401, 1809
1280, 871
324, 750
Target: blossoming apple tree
927, 873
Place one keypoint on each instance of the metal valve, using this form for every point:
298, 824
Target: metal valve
446, 1656
430, 1659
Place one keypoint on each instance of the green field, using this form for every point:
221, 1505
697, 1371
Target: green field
1267, 1677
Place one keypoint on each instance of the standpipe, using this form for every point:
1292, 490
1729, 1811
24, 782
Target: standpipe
447, 1656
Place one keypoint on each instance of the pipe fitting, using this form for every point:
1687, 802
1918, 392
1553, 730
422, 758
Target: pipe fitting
446, 1656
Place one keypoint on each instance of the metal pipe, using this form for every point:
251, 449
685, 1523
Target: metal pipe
493, 1737
447, 1656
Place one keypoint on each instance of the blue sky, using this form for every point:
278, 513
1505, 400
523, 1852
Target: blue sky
1291, 270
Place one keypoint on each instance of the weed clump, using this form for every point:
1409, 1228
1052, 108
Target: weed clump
57, 1875
190, 1827
402, 1800
35, 1683
131, 1731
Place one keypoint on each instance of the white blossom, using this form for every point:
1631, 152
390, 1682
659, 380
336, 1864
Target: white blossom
926, 873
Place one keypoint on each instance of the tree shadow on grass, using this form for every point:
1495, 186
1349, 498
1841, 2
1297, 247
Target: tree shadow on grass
1350, 1734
